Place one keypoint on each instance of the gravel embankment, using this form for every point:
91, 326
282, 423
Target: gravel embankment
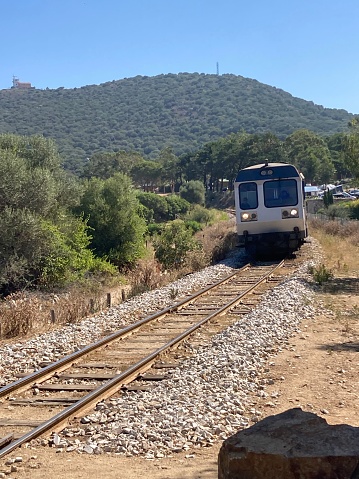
208, 397
28, 355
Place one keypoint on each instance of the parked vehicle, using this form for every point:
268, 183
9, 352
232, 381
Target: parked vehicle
344, 195
354, 192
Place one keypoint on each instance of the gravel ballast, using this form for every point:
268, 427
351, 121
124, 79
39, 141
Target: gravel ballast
207, 397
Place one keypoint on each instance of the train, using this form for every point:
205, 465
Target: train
271, 216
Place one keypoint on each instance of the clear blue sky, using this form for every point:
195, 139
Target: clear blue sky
308, 48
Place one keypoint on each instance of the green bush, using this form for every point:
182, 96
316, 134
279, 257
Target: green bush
199, 214
337, 210
193, 226
173, 244
155, 204
177, 206
154, 228
193, 191
353, 210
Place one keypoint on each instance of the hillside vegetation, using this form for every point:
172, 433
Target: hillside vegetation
148, 114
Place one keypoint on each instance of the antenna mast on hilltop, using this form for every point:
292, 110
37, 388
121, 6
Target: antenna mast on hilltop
217, 68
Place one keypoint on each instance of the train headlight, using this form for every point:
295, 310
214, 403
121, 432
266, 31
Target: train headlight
293, 213
249, 217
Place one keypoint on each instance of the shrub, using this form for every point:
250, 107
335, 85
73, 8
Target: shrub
353, 209
173, 244
320, 273
338, 210
193, 226
154, 228
199, 214
193, 192
177, 206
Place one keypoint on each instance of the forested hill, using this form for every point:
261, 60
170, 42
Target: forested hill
147, 114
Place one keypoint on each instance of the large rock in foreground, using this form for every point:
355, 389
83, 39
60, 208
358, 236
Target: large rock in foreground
291, 445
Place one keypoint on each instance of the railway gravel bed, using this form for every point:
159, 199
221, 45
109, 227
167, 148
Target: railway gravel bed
26, 356
209, 396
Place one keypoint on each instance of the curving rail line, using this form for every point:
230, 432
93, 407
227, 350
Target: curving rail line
177, 321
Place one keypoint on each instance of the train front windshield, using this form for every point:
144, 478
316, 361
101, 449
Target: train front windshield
248, 196
280, 193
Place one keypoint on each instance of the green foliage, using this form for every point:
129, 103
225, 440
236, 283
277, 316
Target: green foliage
199, 214
67, 257
328, 198
154, 229
352, 208
112, 209
37, 252
352, 147
41, 243
149, 114
193, 192
173, 244
320, 273
311, 155
177, 206
105, 164
156, 206
337, 210
146, 174
193, 226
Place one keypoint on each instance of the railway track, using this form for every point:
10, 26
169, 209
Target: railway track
49, 399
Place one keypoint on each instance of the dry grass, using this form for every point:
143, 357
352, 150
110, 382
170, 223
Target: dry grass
340, 242
23, 312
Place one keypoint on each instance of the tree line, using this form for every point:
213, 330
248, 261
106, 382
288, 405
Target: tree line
320, 159
58, 228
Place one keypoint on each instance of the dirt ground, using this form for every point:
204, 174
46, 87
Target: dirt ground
318, 372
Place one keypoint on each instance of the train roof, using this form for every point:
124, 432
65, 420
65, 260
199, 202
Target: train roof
267, 170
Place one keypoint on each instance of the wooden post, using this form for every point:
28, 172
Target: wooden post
92, 306
109, 300
53, 316
123, 293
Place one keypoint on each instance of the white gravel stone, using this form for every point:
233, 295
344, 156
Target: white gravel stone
207, 397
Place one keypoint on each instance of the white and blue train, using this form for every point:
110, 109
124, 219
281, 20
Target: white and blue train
270, 209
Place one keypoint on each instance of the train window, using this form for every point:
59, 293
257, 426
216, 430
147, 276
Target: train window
248, 197
280, 193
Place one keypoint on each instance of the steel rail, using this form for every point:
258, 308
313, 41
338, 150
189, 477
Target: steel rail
112, 385
58, 366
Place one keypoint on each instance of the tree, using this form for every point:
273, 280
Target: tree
41, 243
193, 192
336, 144
352, 147
37, 151
328, 198
147, 174
310, 154
105, 164
112, 209
176, 206
156, 206
169, 167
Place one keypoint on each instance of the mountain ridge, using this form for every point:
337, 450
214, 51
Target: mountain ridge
146, 114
